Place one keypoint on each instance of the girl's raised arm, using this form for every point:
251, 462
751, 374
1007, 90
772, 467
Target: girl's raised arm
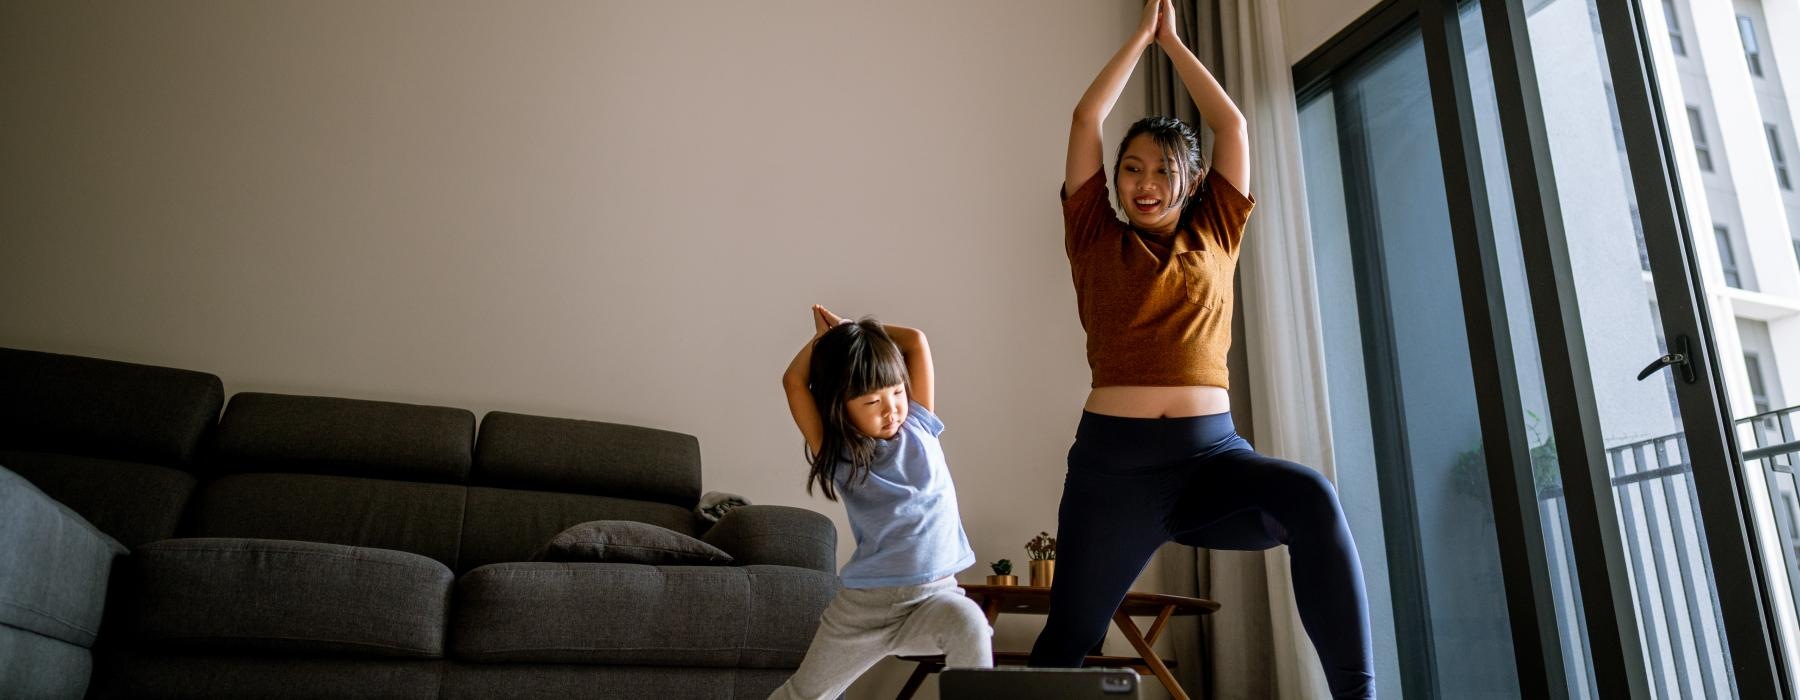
1231, 141
1086, 155
799, 395
918, 363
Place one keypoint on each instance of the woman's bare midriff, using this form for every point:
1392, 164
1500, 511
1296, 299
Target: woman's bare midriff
1158, 401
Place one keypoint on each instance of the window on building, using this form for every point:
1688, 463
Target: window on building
1752, 50
1775, 154
1759, 391
1675, 41
1768, 430
1727, 259
1701, 150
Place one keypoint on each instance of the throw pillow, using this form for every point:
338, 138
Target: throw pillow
629, 542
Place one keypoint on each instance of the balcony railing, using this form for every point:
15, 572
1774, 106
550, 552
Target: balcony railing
1667, 555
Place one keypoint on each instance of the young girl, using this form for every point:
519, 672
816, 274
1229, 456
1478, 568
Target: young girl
1156, 457
861, 393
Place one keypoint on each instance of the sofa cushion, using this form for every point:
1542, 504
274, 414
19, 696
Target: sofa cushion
749, 617
777, 535
424, 519
578, 456
35, 666
512, 525
134, 502
150, 674
587, 682
291, 597
630, 543
349, 437
53, 565
102, 408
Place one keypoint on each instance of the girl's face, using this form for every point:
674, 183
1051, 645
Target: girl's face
1145, 186
878, 414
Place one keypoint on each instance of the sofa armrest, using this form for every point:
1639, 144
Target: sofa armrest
53, 565
778, 535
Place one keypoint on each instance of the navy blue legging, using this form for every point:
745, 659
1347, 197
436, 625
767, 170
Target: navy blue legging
1135, 483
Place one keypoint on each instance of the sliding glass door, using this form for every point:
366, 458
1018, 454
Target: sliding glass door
1525, 369
1403, 401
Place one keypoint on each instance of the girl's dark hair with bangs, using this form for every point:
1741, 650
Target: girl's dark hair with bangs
1180, 147
848, 361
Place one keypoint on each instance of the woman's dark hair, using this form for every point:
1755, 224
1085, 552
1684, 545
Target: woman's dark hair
850, 360
1180, 147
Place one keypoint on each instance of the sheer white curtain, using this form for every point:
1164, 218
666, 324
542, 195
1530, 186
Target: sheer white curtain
1255, 647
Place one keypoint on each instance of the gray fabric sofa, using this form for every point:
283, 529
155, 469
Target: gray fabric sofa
308, 547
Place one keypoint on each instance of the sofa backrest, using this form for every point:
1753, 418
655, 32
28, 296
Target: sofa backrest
341, 471
105, 409
262, 433
417, 479
122, 444
579, 456
114, 441
535, 476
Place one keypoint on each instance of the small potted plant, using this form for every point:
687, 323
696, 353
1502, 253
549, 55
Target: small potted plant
1042, 550
1003, 575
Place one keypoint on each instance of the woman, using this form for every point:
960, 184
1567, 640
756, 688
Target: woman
1156, 457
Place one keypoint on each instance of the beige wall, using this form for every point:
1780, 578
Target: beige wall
606, 210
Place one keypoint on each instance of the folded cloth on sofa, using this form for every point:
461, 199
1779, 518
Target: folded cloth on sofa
715, 504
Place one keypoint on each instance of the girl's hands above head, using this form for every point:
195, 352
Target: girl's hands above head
823, 319
1165, 23
1151, 26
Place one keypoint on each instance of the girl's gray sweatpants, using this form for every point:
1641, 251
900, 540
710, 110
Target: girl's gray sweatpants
864, 625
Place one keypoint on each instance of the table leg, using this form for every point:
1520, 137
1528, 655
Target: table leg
1156, 628
1149, 655
915, 680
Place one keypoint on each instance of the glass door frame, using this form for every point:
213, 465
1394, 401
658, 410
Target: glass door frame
1604, 582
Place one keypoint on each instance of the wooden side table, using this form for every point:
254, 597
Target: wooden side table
1035, 600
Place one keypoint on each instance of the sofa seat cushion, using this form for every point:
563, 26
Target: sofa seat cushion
134, 502
144, 674
35, 666
589, 682
292, 597
635, 614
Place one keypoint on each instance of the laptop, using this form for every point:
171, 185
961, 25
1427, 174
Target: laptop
1045, 683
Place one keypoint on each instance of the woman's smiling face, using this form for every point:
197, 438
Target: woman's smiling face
1149, 189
